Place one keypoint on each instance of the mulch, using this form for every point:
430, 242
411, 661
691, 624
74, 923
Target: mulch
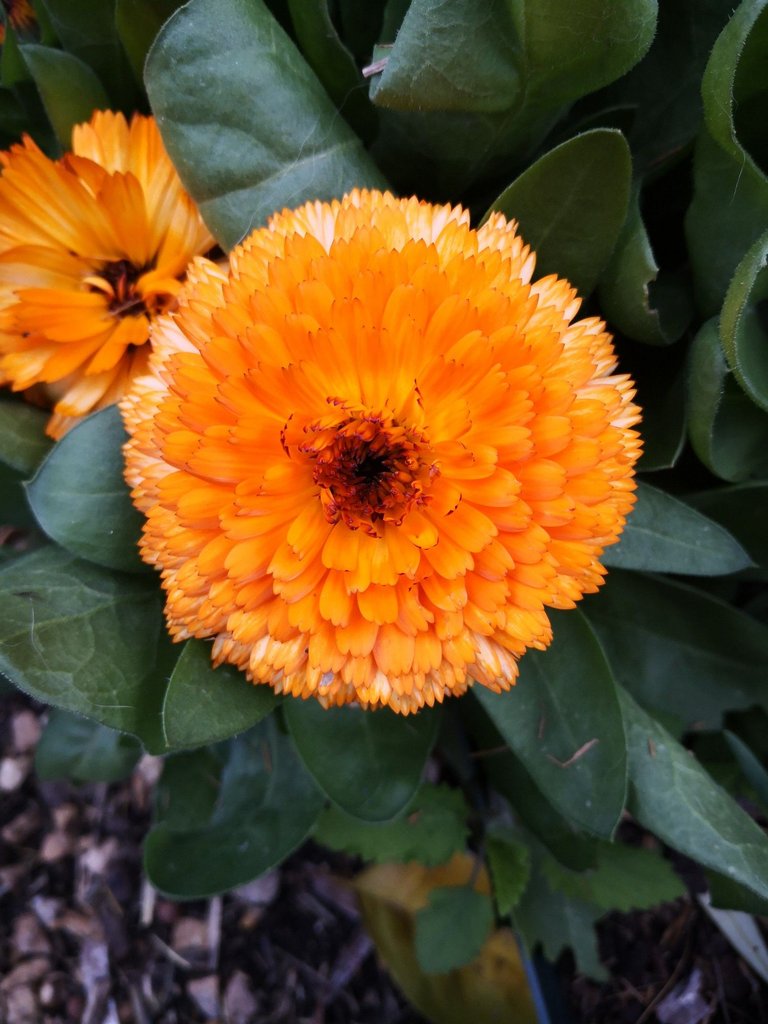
84, 938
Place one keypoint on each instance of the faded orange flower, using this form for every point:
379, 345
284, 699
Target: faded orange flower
372, 453
18, 13
92, 248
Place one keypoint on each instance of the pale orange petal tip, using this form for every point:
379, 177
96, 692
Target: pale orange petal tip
93, 247
372, 453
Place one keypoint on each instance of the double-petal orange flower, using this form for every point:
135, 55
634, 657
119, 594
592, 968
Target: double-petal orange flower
92, 248
372, 453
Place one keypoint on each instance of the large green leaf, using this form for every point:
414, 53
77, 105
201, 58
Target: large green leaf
674, 797
720, 232
84, 639
333, 64
664, 534
23, 443
509, 862
679, 650
265, 806
368, 762
248, 126
434, 63
727, 430
81, 499
742, 327
204, 705
81, 750
571, 205
86, 29
741, 510
633, 297
69, 88
562, 719
430, 829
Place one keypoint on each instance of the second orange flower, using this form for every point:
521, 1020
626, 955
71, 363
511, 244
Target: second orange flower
92, 248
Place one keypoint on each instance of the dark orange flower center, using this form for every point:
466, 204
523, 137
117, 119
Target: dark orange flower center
369, 470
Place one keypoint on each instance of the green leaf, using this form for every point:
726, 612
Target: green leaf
509, 862
204, 705
368, 762
741, 510
663, 534
571, 204
69, 89
742, 326
752, 769
22, 436
625, 878
434, 63
270, 134
83, 751
679, 650
137, 23
186, 793
559, 922
450, 931
333, 63
430, 830
633, 297
665, 121
562, 719
81, 499
13, 68
727, 431
84, 639
14, 507
720, 232
86, 29
672, 795
265, 807
611, 39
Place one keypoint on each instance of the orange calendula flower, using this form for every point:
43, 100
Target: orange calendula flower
19, 14
92, 248
373, 453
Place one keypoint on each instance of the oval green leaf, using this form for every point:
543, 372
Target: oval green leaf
679, 650
204, 705
742, 324
69, 89
368, 762
23, 443
674, 797
741, 510
84, 639
571, 204
81, 499
632, 297
265, 807
664, 534
253, 131
727, 430
81, 750
450, 931
562, 719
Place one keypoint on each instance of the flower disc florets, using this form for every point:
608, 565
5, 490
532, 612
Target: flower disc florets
372, 453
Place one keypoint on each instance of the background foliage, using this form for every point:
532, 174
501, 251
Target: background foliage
630, 142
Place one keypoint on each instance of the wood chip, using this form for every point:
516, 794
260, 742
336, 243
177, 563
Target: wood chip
13, 771
25, 731
28, 937
240, 1003
26, 973
55, 846
19, 829
204, 993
